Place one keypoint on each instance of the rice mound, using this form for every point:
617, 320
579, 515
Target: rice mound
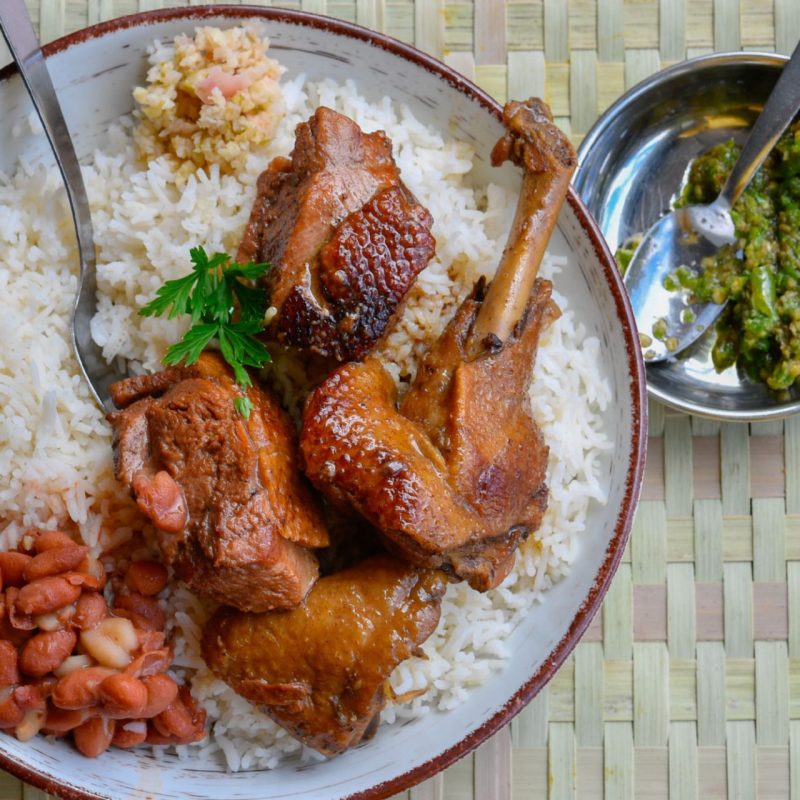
209, 99
56, 448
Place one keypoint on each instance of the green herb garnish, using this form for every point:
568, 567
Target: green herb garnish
223, 308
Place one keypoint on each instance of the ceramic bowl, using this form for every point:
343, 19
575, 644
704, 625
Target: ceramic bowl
94, 71
632, 163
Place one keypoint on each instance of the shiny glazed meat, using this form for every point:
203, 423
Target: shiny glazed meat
233, 513
456, 478
320, 669
345, 237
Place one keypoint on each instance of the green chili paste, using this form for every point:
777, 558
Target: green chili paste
759, 275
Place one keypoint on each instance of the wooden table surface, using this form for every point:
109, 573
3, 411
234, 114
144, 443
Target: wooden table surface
688, 683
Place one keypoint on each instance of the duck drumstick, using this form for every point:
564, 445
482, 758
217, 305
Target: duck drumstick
548, 160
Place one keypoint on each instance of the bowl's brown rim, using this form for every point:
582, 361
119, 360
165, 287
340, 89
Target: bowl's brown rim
635, 364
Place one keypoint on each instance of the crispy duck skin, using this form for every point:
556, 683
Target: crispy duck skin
346, 239
321, 669
456, 478
234, 515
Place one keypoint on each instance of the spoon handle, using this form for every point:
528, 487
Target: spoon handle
17, 30
780, 109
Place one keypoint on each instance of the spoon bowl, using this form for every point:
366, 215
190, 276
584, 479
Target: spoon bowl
669, 321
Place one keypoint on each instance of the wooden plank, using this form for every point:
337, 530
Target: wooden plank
741, 764
429, 27
735, 455
649, 543
529, 727
526, 74
432, 789
618, 616
681, 611
672, 29
561, 761
493, 767
678, 482
650, 694
589, 694
738, 591
618, 752
726, 25
710, 693
769, 541
556, 30
772, 693
682, 761
708, 540
610, 25
490, 32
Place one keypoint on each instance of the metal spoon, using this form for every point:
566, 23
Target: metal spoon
18, 32
667, 322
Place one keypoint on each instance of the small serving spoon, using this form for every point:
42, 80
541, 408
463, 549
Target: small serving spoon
18, 32
667, 322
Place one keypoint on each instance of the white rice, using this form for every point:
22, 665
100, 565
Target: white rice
55, 448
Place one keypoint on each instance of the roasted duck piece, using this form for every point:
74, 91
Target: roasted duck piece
321, 669
456, 478
233, 513
345, 237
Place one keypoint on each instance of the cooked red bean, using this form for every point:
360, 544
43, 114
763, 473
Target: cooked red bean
9, 671
89, 610
129, 733
81, 688
145, 612
46, 651
94, 736
146, 577
150, 663
10, 712
161, 691
49, 540
12, 566
55, 561
61, 720
123, 696
45, 595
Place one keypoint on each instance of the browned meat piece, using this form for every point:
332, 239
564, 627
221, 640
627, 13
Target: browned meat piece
457, 479
345, 237
320, 669
234, 515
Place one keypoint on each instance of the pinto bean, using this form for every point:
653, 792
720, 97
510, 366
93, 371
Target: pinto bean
61, 720
9, 664
55, 561
161, 692
46, 651
161, 500
50, 540
94, 736
123, 696
111, 642
81, 688
85, 580
29, 697
145, 612
129, 733
31, 724
45, 595
183, 719
89, 610
150, 663
12, 567
10, 712
146, 577
17, 620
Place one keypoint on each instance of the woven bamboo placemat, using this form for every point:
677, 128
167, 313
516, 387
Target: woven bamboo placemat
688, 683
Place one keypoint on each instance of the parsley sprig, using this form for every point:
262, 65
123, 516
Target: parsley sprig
224, 306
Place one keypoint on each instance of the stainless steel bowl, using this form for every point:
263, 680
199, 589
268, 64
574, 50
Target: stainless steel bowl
630, 165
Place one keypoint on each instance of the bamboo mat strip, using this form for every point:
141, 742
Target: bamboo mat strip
688, 682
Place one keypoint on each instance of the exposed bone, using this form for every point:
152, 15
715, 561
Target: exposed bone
548, 160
